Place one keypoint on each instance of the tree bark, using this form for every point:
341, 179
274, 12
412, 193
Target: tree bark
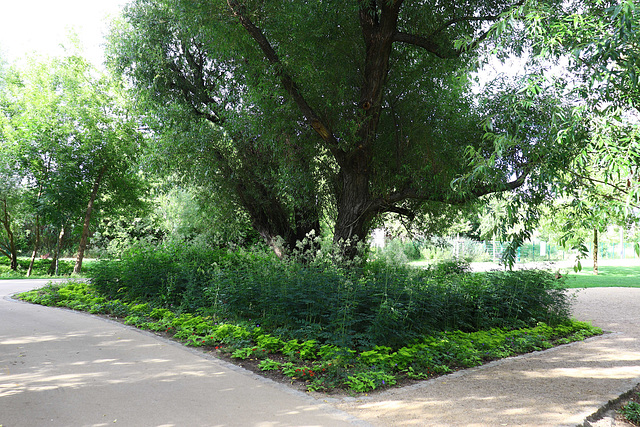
595, 251
11, 251
280, 229
36, 246
77, 268
53, 268
354, 209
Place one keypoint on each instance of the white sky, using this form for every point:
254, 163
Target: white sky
28, 26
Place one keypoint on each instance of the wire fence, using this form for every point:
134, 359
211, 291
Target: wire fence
534, 251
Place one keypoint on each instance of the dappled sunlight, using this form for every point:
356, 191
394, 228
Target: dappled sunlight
76, 374
27, 340
42, 381
118, 341
156, 361
38, 338
588, 372
561, 386
460, 410
599, 354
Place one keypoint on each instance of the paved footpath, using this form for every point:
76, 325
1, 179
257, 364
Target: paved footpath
61, 368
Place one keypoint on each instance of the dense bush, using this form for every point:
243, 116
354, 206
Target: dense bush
377, 304
172, 275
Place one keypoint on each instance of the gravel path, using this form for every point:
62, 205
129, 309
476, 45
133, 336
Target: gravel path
557, 387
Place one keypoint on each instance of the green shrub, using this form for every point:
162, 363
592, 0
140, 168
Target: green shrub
357, 307
370, 380
631, 411
169, 275
326, 366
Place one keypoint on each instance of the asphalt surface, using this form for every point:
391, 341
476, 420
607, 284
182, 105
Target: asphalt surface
63, 368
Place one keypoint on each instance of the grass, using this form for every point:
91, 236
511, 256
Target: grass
41, 267
608, 276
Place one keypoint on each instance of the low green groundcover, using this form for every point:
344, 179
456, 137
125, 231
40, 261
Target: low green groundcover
322, 366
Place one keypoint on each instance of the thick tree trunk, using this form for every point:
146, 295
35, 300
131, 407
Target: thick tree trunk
595, 251
77, 268
53, 268
354, 211
36, 246
11, 252
355, 204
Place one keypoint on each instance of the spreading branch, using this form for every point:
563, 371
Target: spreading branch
287, 81
598, 181
429, 43
389, 202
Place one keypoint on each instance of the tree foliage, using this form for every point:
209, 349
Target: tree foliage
599, 44
73, 145
339, 112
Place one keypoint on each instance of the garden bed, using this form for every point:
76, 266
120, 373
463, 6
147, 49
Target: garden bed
312, 365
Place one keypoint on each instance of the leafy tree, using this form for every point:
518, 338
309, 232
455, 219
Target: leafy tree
188, 213
584, 217
345, 109
76, 147
599, 41
9, 199
9, 180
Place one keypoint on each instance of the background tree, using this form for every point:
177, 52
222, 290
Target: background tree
76, 148
10, 193
344, 109
10, 197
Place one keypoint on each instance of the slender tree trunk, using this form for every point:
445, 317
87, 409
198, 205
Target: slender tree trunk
11, 251
53, 268
36, 246
77, 268
595, 251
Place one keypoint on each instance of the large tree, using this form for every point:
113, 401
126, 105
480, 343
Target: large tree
351, 109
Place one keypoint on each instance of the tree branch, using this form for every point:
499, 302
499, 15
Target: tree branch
588, 178
387, 204
287, 81
401, 211
430, 45
427, 44
483, 190
192, 93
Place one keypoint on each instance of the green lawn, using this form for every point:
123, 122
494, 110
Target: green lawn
628, 277
608, 276
41, 267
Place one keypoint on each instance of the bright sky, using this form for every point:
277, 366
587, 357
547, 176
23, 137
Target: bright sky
28, 26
